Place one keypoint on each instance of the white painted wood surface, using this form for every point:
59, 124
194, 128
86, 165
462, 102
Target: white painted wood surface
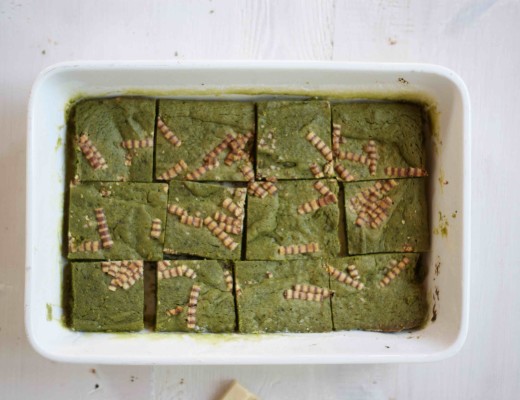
478, 39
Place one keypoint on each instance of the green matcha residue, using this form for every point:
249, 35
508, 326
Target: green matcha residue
442, 228
442, 180
433, 115
49, 311
59, 143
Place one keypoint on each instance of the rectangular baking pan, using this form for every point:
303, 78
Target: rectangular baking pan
447, 282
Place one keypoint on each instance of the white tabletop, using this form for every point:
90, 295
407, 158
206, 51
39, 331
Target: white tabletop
478, 39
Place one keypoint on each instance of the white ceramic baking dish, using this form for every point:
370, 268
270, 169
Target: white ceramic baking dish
449, 190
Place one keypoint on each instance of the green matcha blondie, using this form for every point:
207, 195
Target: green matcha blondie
299, 221
204, 140
387, 216
107, 296
195, 296
114, 139
292, 136
287, 296
374, 140
205, 220
117, 220
377, 292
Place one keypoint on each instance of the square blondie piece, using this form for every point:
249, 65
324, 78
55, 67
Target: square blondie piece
285, 296
374, 140
204, 140
300, 220
195, 296
102, 302
379, 292
284, 148
387, 216
114, 139
117, 220
205, 220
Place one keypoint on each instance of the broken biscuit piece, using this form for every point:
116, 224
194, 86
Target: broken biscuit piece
299, 249
395, 268
306, 288
137, 143
336, 138
91, 153
290, 294
316, 204
219, 233
343, 173
214, 153
232, 207
174, 171
322, 188
167, 133
195, 175
176, 210
316, 171
104, 233
192, 307
256, 189
156, 228
405, 172
343, 277
226, 219
270, 187
191, 220
89, 246
175, 311
320, 145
